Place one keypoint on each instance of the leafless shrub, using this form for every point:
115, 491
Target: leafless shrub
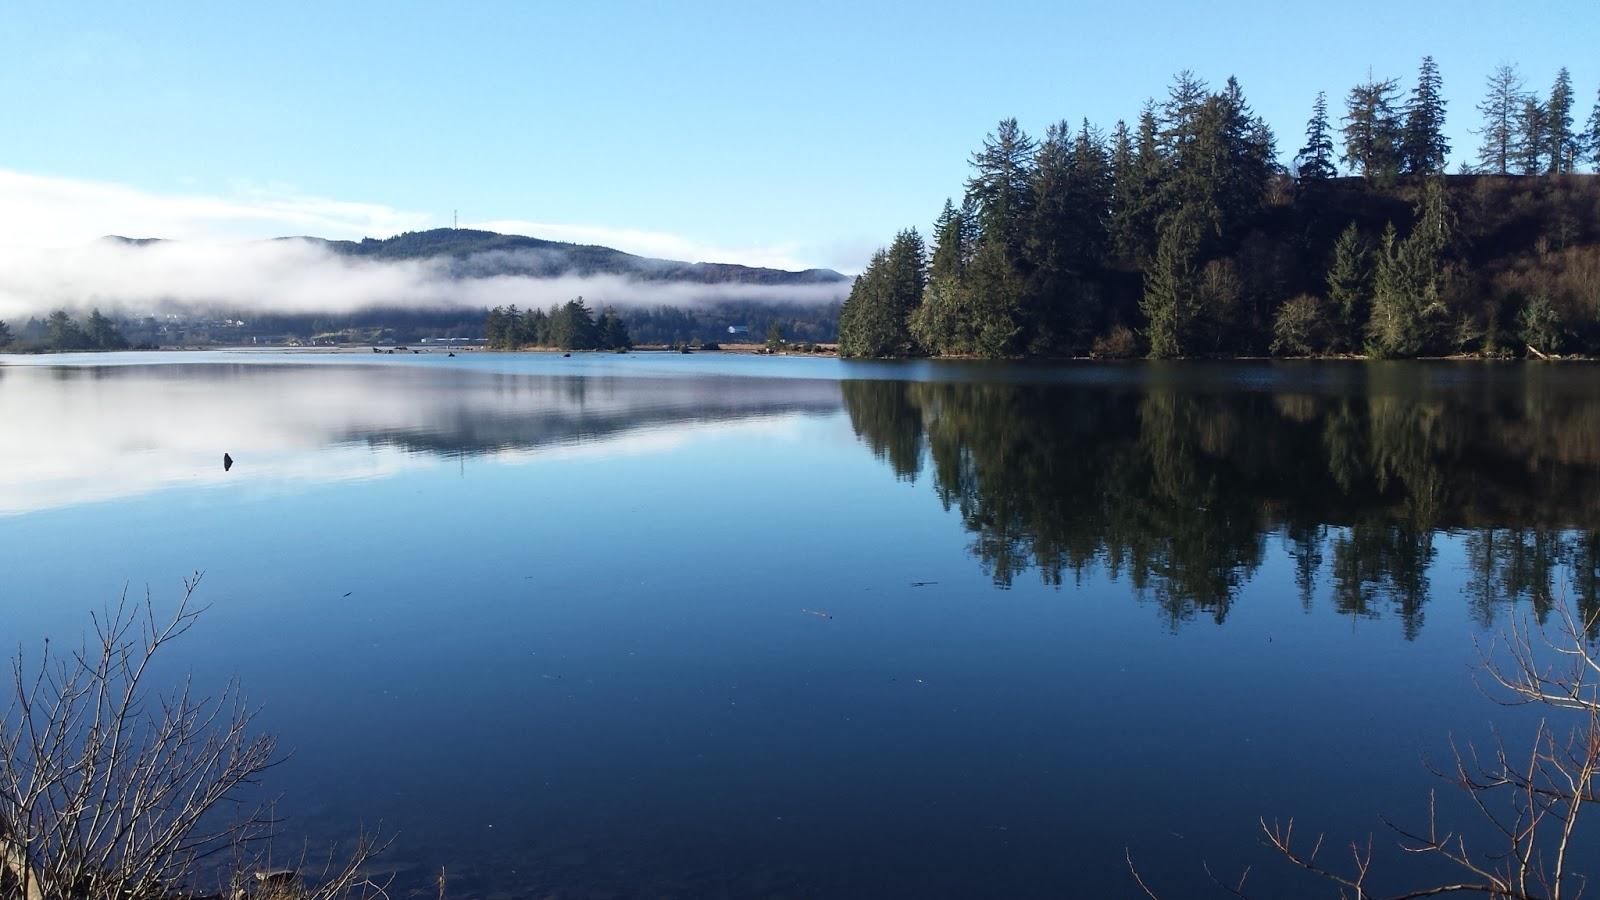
1532, 804
109, 790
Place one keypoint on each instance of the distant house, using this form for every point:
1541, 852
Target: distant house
739, 330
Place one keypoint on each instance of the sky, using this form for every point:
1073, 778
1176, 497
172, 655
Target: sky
785, 134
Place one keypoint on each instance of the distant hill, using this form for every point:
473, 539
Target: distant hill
479, 254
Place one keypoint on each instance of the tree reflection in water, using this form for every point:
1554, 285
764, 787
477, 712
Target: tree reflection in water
1180, 488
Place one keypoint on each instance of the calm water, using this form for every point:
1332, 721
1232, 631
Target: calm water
1071, 610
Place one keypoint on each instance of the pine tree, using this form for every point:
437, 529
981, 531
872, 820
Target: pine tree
1349, 288
1501, 107
1314, 162
5, 334
1170, 301
102, 334
1407, 282
1529, 151
875, 319
1561, 143
613, 331
1591, 131
1423, 146
1137, 203
1180, 114
995, 301
1000, 186
1372, 129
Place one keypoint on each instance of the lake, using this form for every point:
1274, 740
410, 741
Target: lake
665, 625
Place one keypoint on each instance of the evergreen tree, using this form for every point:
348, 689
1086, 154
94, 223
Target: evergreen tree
1406, 305
1000, 187
64, 333
1561, 142
1170, 292
613, 331
1221, 164
102, 334
1423, 146
1181, 113
5, 334
1592, 134
1137, 193
1501, 107
1349, 287
1314, 162
494, 328
1067, 241
1532, 142
875, 320
937, 324
572, 326
1372, 129
995, 297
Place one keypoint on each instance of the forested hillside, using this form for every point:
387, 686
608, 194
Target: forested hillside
1183, 235
475, 253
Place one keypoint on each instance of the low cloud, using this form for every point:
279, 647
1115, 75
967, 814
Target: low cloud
52, 256
299, 276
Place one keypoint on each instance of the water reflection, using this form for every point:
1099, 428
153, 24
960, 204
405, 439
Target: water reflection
1179, 489
95, 433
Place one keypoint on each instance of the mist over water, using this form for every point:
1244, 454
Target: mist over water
301, 276
1071, 610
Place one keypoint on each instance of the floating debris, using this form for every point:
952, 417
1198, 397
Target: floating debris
819, 613
922, 583
227, 463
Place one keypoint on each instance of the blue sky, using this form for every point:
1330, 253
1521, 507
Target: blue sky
799, 134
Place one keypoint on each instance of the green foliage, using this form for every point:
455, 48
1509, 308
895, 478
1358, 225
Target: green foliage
1314, 162
1171, 293
1532, 137
1406, 306
572, 326
1372, 129
1423, 146
5, 334
1539, 325
1591, 133
1349, 289
1562, 145
1185, 229
613, 331
875, 320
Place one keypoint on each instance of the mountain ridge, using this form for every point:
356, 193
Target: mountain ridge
476, 253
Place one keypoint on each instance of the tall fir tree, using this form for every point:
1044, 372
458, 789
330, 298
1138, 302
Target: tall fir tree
1001, 185
875, 318
940, 323
1314, 163
1372, 129
1561, 142
1349, 283
1591, 133
1532, 143
1501, 108
1423, 146
1170, 301
1137, 206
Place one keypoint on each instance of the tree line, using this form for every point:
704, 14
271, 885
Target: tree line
568, 326
60, 332
1184, 235
1180, 490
